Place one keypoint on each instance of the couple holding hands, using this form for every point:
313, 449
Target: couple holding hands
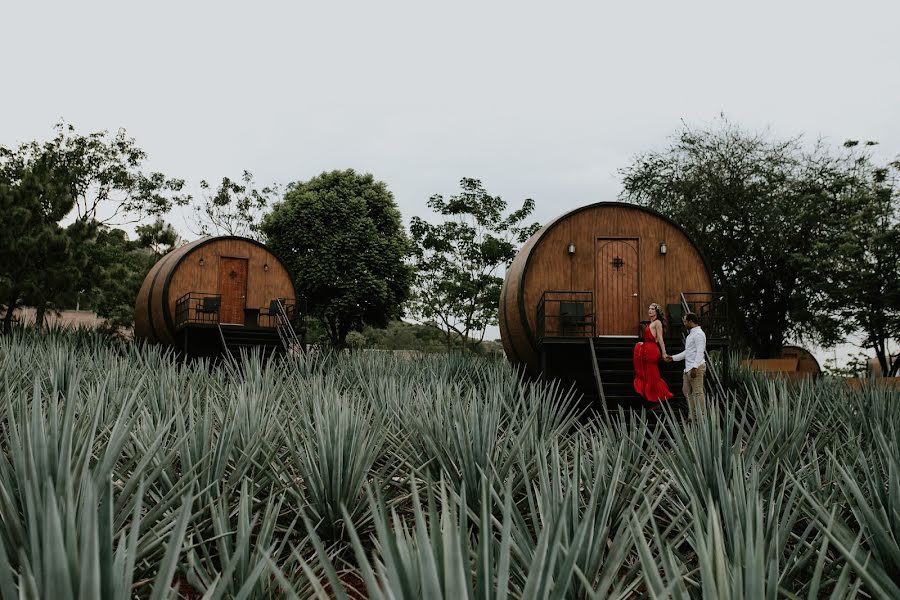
647, 380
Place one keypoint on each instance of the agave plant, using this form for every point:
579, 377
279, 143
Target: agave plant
125, 472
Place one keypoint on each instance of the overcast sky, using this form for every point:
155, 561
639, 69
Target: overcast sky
543, 100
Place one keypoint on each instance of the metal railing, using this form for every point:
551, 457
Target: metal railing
226, 351
277, 309
286, 316
197, 307
562, 313
710, 310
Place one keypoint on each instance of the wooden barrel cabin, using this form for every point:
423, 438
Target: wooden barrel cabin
586, 279
215, 294
807, 365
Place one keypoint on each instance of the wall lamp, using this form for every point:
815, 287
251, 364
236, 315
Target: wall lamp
571, 248
663, 248
266, 267
201, 261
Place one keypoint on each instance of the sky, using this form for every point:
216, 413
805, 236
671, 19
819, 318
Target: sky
538, 100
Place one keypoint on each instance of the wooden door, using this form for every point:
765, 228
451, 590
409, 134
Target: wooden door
616, 293
233, 289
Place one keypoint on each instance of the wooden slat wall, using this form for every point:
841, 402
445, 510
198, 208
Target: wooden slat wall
262, 286
661, 278
189, 276
164, 333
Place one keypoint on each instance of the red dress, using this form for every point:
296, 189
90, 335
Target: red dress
647, 381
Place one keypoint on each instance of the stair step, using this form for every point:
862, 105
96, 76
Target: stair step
571, 363
239, 340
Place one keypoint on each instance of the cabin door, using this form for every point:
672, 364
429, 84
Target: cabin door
233, 289
616, 290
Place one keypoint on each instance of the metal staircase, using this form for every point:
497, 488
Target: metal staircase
290, 341
237, 339
614, 357
602, 368
282, 338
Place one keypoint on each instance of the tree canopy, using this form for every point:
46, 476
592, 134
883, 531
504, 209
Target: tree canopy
109, 182
85, 180
35, 194
118, 267
235, 207
341, 236
457, 261
767, 212
862, 273
804, 241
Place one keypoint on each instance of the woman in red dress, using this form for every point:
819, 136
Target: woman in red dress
647, 381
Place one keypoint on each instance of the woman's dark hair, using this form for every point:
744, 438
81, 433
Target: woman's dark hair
660, 315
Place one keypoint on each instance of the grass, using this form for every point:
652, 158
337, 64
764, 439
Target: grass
126, 474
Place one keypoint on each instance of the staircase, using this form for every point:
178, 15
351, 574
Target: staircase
237, 339
570, 361
616, 368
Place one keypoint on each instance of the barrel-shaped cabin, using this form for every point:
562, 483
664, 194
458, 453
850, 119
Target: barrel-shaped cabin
592, 273
794, 363
213, 293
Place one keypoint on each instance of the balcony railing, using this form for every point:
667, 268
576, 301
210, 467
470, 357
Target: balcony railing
273, 317
204, 308
711, 309
197, 307
565, 314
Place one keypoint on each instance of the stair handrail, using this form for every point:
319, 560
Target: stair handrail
709, 364
597, 379
290, 334
224, 343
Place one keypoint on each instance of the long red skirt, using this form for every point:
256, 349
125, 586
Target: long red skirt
647, 381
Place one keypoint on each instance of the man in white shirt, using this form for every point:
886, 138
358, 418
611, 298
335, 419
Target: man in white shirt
694, 357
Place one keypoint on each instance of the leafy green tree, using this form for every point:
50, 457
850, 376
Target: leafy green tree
234, 208
66, 263
355, 341
159, 237
118, 268
89, 179
400, 335
109, 182
767, 212
863, 273
35, 194
342, 237
458, 261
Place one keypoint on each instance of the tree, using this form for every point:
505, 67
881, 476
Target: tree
35, 194
766, 212
864, 271
108, 180
456, 261
400, 335
88, 179
159, 237
118, 268
236, 207
341, 236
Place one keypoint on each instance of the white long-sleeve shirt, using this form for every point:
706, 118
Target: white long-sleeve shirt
694, 349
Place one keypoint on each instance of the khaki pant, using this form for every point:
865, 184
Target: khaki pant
693, 391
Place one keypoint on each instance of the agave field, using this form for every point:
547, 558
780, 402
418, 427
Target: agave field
128, 474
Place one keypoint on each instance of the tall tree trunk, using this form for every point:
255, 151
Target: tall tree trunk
884, 358
39, 314
10, 307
